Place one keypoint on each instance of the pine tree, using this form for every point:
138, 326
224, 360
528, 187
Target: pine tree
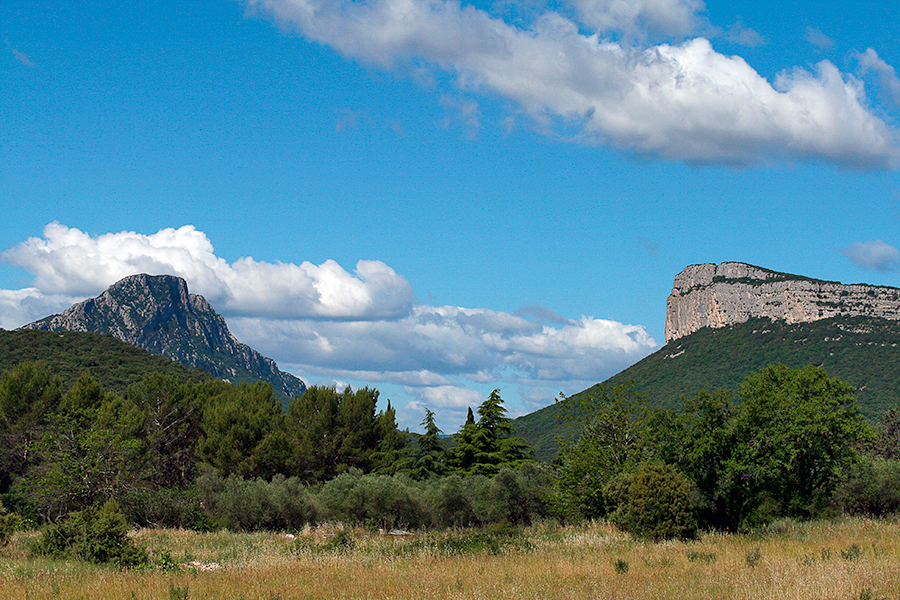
483, 447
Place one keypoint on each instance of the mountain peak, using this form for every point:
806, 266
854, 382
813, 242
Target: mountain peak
158, 314
730, 293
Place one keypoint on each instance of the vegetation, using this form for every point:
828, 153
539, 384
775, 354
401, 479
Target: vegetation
483, 447
98, 534
209, 455
847, 559
862, 351
655, 502
778, 453
115, 364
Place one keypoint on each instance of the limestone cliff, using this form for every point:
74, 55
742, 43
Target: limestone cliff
711, 295
158, 314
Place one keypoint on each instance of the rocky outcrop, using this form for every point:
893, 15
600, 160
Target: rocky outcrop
711, 295
156, 313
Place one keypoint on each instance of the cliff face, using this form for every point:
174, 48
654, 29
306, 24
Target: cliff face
158, 314
719, 295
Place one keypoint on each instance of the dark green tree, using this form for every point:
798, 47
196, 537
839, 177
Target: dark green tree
427, 459
236, 422
792, 434
610, 444
90, 452
333, 432
29, 394
390, 444
485, 446
886, 443
172, 427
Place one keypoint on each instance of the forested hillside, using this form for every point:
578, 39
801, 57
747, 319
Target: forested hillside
116, 365
865, 352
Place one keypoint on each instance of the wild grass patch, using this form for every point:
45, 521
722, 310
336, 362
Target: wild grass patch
575, 563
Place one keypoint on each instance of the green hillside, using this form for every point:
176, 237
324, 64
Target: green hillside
115, 364
863, 351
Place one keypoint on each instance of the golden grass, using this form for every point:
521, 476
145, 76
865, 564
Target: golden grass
841, 560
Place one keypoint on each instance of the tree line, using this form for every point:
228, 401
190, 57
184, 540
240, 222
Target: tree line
793, 444
65, 450
208, 454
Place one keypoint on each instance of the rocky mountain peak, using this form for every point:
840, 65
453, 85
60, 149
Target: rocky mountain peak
158, 314
710, 295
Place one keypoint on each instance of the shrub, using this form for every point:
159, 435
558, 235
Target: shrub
871, 487
701, 557
752, 558
520, 495
253, 504
450, 503
851, 553
174, 508
97, 534
655, 502
7, 525
386, 501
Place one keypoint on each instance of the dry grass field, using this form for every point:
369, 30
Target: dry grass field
841, 560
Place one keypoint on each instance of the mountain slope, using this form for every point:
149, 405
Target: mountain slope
156, 313
862, 351
115, 364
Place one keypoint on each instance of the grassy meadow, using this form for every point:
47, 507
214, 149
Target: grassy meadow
841, 559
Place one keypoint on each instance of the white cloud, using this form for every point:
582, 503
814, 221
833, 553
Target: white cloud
887, 76
70, 262
637, 18
435, 343
447, 396
815, 37
18, 307
873, 256
737, 33
325, 324
679, 101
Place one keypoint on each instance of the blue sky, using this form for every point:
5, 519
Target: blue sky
438, 199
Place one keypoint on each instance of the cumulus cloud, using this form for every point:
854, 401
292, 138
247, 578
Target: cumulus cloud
18, 307
873, 256
434, 342
325, 323
681, 101
70, 262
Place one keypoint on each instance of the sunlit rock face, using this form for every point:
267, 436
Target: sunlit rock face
711, 295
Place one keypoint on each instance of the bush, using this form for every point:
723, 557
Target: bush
521, 495
450, 502
386, 501
7, 525
871, 487
252, 504
173, 508
98, 534
655, 502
